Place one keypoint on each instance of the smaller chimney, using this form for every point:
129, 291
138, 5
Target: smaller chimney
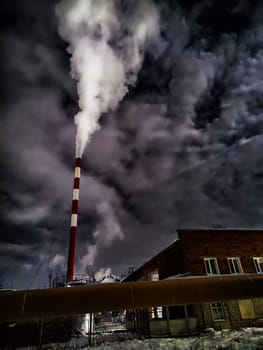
74, 221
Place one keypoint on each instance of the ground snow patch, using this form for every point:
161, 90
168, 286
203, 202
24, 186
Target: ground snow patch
246, 339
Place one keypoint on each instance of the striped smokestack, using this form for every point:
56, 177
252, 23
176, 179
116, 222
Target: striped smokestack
74, 220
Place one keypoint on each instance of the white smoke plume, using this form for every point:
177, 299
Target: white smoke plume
57, 261
107, 41
103, 272
108, 230
89, 258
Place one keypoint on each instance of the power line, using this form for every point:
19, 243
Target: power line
48, 253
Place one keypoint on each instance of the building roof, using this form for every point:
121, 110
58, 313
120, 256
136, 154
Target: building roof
216, 229
150, 261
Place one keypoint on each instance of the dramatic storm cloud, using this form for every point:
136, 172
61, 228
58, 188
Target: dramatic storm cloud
181, 148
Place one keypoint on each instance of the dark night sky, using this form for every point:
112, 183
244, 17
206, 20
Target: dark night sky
184, 147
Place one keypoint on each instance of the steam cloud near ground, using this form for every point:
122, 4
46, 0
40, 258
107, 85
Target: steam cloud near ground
182, 149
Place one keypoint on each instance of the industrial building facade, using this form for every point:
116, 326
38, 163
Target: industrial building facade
199, 252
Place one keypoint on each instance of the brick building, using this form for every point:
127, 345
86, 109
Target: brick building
199, 252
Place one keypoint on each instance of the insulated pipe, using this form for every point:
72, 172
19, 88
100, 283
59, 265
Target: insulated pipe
55, 302
74, 221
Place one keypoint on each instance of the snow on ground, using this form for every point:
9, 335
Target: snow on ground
247, 339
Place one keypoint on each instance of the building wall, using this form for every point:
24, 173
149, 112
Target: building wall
258, 305
173, 327
220, 243
168, 262
186, 256
239, 313
208, 321
187, 253
245, 244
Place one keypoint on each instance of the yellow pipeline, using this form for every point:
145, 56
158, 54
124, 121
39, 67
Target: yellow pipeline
31, 304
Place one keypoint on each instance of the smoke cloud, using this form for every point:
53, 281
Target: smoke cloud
107, 41
108, 230
102, 273
183, 147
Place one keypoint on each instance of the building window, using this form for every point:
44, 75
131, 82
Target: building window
181, 312
218, 312
211, 266
156, 312
234, 265
154, 276
258, 264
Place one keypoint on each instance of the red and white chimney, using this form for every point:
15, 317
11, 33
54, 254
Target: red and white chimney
74, 221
